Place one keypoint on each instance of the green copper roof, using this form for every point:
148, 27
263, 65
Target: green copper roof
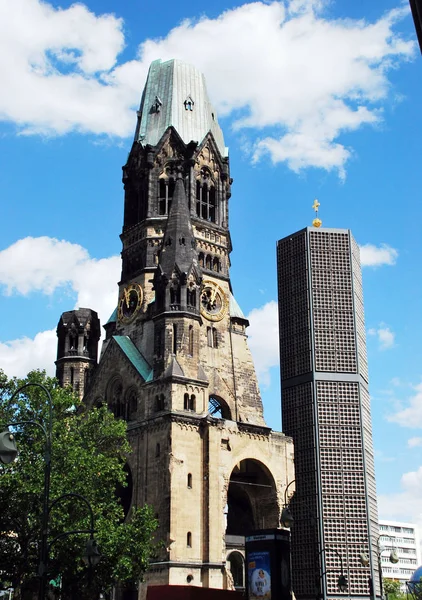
175, 95
135, 357
235, 310
113, 317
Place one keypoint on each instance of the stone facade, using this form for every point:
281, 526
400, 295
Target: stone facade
175, 363
78, 333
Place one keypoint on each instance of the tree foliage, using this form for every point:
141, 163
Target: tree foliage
88, 457
392, 589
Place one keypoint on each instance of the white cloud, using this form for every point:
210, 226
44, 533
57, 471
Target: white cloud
411, 416
18, 357
385, 336
376, 256
406, 504
281, 65
414, 442
48, 265
263, 339
45, 264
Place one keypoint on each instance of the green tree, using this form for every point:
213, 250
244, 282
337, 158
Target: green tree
89, 449
392, 589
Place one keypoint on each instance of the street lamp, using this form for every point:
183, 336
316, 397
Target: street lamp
287, 519
393, 558
8, 453
342, 583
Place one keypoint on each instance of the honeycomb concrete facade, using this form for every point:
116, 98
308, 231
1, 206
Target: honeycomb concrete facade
326, 410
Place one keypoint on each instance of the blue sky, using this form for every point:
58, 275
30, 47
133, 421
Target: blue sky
316, 99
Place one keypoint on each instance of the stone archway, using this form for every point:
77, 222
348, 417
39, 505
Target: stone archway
236, 564
251, 499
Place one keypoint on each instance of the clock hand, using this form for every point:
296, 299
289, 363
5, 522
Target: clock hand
213, 295
127, 294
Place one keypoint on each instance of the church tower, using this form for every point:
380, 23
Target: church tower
175, 362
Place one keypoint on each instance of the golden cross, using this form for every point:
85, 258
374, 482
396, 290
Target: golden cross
315, 205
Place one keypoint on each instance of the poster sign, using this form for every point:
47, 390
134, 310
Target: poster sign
259, 575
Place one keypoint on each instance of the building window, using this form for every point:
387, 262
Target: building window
190, 350
212, 339
174, 338
205, 202
159, 402
191, 296
166, 192
189, 402
157, 450
189, 539
190, 481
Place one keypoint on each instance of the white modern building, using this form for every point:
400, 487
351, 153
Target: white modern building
404, 539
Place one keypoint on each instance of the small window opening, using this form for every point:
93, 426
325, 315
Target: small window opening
208, 262
189, 539
201, 259
212, 338
191, 297
190, 481
174, 338
190, 339
189, 103
157, 450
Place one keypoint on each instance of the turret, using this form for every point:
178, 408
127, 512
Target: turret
78, 333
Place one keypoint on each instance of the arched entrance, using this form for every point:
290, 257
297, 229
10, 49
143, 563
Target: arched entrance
251, 499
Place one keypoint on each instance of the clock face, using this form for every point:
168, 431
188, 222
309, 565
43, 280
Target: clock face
213, 301
130, 302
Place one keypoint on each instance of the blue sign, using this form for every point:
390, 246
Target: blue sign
259, 575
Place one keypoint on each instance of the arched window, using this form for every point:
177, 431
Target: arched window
212, 339
115, 399
165, 196
159, 402
174, 338
190, 481
174, 293
157, 450
132, 404
191, 296
201, 259
190, 340
218, 408
208, 262
189, 402
205, 202
189, 539
216, 265
237, 568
